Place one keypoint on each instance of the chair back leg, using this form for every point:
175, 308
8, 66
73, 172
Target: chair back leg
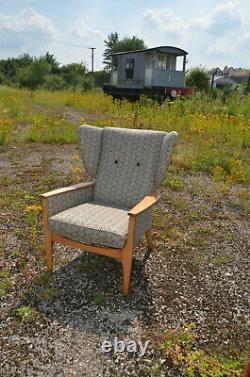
149, 239
48, 244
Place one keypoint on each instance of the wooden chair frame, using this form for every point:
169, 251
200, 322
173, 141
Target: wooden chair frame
125, 255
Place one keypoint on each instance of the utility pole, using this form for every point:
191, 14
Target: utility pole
92, 58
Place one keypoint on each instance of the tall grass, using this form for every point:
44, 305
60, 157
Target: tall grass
52, 130
214, 135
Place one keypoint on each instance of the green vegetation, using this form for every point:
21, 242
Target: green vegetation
99, 298
5, 283
31, 72
213, 137
178, 349
113, 44
198, 78
25, 313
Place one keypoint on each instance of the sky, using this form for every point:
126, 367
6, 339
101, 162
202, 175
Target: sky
215, 33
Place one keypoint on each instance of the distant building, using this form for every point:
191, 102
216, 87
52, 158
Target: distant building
223, 82
151, 71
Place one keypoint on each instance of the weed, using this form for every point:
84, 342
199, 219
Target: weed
174, 183
222, 259
178, 349
25, 313
5, 283
207, 230
99, 298
33, 212
15, 253
18, 232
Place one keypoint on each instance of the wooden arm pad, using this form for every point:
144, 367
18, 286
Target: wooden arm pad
67, 189
147, 202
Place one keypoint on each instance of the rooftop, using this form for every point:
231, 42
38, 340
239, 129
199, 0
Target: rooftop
174, 50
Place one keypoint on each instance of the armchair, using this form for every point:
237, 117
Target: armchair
109, 215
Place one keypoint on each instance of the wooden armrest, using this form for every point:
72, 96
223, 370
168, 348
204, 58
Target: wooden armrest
67, 189
147, 202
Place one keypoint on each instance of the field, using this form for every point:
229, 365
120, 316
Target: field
189, 297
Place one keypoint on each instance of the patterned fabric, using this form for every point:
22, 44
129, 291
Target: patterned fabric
90, 147
99, 224
69, 199
93, 223
143, 223
167, 147
128, 165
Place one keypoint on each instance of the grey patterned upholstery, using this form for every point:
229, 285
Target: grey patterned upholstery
166, 152
90, 147
127, 164
93, 223
70, 199
98, 224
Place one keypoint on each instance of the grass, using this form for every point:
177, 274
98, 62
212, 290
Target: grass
214, 137
5, 283
52, 130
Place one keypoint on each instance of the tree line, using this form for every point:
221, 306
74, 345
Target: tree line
45, 71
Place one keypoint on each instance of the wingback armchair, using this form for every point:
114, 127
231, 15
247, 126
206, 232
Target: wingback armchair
110, 214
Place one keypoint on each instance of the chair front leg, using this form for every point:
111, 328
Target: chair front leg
48, 243
127, 255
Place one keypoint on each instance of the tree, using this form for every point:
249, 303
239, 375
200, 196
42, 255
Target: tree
54, 82
114, 45
34, 75
110, 43
198, 77
100, 77
72, 73
52, 62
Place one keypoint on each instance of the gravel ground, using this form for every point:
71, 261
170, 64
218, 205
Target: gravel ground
197, 273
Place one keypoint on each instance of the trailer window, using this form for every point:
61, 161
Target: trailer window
166, 62
130, 64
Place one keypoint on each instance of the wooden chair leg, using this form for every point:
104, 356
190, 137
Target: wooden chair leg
49, 251
127, 259
149, 239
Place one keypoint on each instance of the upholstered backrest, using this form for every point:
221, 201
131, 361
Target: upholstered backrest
90, 147
128, 164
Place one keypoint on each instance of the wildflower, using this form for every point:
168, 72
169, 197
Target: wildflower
76, 157
33, 208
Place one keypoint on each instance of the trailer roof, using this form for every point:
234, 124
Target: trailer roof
174, 50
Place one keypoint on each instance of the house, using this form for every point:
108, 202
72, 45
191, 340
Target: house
155, 72
224, 82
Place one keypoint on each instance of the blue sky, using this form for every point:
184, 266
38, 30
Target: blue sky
215, 33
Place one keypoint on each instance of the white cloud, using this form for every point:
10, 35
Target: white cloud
28, 31
81, 29
222, 19
27, 20
211, 39
165, 19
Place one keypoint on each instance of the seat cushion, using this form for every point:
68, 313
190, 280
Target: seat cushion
93, 223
